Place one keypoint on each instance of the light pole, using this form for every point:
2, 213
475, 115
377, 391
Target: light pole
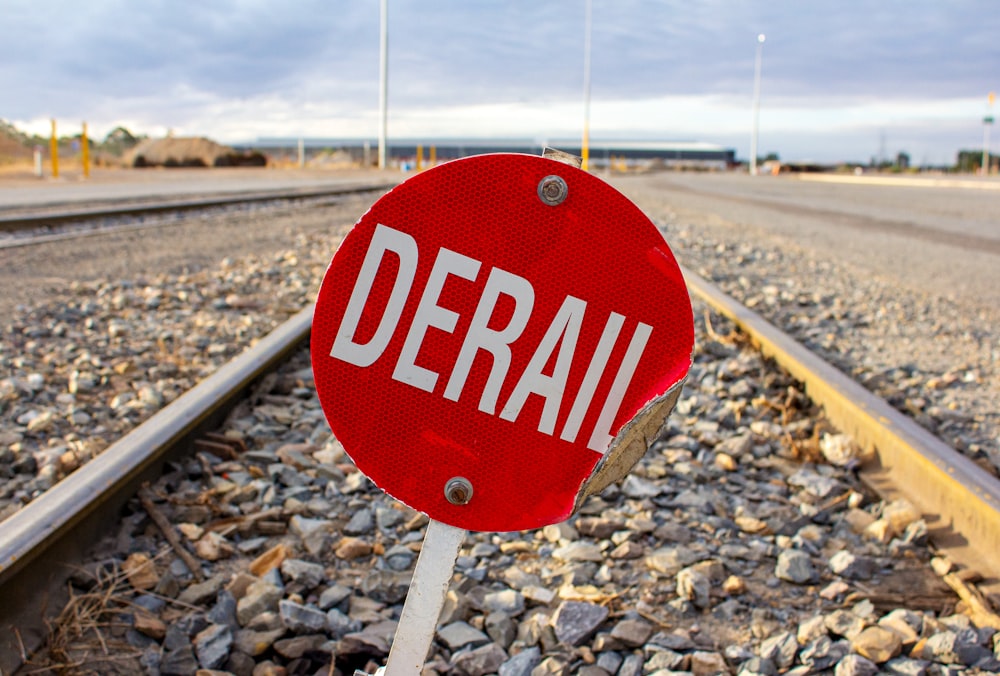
756, 104
987, 122
588, 27
383, 81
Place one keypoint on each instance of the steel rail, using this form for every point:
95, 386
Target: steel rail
959, 500
64, 521
35, 218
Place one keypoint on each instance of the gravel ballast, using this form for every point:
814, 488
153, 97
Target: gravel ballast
734, 547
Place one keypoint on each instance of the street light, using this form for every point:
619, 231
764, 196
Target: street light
756, 104
987, 121
383, 82
587, 29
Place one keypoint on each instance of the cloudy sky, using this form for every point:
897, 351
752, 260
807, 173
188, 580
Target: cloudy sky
842, 79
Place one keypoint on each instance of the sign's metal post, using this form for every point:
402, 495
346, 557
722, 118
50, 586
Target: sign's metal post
435, 330
422, 608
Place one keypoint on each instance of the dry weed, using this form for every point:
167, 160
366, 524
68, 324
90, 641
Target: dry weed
87, 637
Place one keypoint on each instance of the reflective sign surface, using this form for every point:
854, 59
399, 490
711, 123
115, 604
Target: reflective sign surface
486, 330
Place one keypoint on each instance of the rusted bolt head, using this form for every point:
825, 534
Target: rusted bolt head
458, 490
552, 190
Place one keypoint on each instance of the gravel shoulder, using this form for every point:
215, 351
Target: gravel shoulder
914, 324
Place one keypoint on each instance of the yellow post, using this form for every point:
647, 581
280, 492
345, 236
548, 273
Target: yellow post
85, 148
585, 151
433, 158
420, 157
54, 150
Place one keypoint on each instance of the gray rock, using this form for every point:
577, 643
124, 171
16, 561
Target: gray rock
368, 641
253, 642
632, 633
575, 621
362, 522
814, 484
522, 663
553, 665
780, 649
758, 666
386, 586
176, 637
942, 648
399, 557
673, 641
591, 670
333, 595
735, 446
340, 624
224, 611
202, 592
150, 603
823, 653
795, 566
670, 560
610, 661
387, 518
212, 646
307, 574
663, 659
631, 666
461, 634
905, 666
297, 646
693, 584
179, 662
707, 662
855, 665
507, 601
301, 619
579, 550
976, 655
260, 597
636, 487
852, 566
500, 627
479, 661
268, 621
844, 623
304, 527
240, 664
699, 500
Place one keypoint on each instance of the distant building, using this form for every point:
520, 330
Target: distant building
672, 154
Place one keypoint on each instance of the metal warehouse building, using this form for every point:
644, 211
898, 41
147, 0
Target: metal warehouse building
693, 154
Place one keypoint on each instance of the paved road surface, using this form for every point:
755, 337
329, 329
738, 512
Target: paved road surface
940, 240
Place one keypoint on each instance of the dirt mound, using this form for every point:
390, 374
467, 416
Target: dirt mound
12, 145
189, 151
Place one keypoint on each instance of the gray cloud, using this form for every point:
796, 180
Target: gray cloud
162, 59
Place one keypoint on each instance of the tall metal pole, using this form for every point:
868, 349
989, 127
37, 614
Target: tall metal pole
987, 123
54, 150
756, 104
587, 29
85, 151
383, 81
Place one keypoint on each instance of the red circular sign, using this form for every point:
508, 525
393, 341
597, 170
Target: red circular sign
485, 331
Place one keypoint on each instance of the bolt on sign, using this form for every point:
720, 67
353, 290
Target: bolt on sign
499, 337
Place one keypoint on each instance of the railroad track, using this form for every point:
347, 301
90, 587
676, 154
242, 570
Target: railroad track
40, 544
37, 225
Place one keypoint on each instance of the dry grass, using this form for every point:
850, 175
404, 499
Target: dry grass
87, 637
